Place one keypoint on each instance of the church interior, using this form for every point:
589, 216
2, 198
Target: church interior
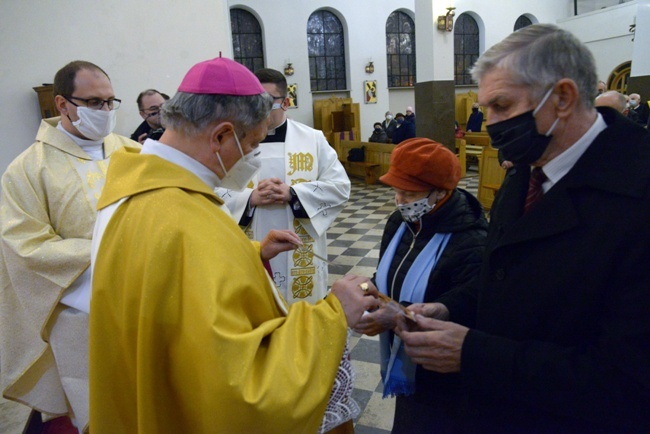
347, 64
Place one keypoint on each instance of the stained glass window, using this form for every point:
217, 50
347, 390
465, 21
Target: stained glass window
246, 39
400, 50
466, 47
326, 48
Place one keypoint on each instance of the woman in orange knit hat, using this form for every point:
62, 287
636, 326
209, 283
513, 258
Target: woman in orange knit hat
432, 243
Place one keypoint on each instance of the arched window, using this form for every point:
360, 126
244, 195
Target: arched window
246, 39
522, 21
400, 50
619, 77
466, 45
326, 48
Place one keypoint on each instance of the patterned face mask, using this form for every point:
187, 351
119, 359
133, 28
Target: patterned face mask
412, 212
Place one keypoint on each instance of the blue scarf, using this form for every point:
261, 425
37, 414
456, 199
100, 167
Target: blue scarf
397, 369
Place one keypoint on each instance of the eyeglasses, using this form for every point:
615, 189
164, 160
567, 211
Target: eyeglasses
153, 108
277, 97
96, 103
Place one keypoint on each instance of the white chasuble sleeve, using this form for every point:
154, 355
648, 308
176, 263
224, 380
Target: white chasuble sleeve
325, 189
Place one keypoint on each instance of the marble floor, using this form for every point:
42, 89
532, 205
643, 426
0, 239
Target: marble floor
353, 247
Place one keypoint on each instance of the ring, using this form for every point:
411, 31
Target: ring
364, 286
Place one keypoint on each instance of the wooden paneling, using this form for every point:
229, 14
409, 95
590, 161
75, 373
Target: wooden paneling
46, 101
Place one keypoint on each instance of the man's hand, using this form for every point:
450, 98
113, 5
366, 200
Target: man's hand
353, 298
278, 241
437, 347
142, 137
431, 310
380, 320
270, 191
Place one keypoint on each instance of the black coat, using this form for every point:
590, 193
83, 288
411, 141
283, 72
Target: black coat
561, 337
459, 265
142, 129
378, 137
389, 127
406, 130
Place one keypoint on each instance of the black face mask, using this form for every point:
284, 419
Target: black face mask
518, 139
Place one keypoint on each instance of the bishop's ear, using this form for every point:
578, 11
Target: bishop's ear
220, 134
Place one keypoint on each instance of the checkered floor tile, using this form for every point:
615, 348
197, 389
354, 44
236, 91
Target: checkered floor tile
353, 247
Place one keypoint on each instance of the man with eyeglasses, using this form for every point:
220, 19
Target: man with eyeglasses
302, 186
149, 103
47, 214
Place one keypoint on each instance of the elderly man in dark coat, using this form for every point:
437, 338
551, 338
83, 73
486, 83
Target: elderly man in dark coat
555, 337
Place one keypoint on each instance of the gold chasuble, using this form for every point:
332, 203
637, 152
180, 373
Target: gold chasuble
186, 335
47, 213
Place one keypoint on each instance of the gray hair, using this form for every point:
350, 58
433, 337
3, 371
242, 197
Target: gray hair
192, 113
540, 55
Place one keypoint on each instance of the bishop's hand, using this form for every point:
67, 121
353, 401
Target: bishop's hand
278, 241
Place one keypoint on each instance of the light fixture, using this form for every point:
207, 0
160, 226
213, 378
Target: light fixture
370, 68
446, 22
288, 70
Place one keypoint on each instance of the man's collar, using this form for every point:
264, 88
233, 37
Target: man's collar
279, 134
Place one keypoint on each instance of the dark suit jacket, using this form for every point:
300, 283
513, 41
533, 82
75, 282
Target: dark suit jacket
561, 322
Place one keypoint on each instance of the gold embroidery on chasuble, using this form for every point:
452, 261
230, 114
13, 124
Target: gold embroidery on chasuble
92, 175
303, 269
300, 162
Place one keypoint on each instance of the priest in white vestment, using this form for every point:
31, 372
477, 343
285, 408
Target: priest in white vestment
302, 186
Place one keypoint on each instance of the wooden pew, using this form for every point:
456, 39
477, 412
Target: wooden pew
491, 176
478, 139
376, 163
463, 151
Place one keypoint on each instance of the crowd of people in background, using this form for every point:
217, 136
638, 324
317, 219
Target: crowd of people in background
394, 130
631, 106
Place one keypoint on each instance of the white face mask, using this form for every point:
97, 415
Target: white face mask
389, 117
276, 106
412, 212
95, 124
239, 175
634, 103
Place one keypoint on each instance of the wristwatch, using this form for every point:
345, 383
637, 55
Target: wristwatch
294, 201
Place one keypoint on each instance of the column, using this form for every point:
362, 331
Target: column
435, 88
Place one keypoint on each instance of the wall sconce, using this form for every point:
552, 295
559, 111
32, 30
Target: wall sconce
288, 70
446, 22
370, 68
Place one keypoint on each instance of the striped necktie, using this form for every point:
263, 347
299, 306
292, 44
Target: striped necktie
535, 191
